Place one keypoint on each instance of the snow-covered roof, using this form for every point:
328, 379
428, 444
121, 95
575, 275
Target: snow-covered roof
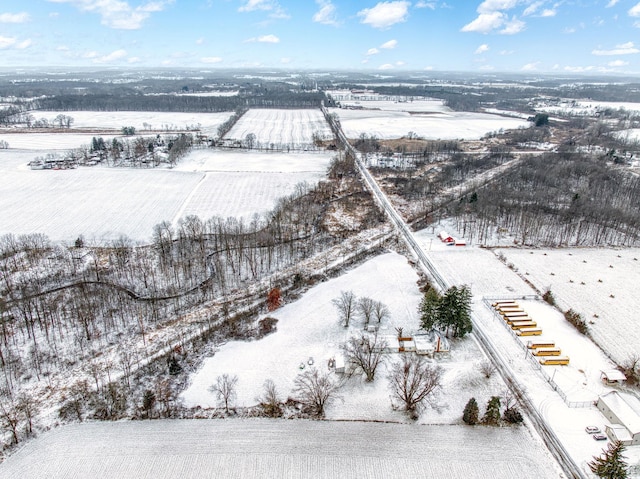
614, 375
625, 408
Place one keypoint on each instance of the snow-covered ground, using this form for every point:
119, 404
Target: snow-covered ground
579, 382
282, 128
431, 125
49, 141
309, 328
140, 120
598, 283
104, 203
278, 449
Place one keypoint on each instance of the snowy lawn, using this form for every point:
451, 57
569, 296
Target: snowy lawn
49, 141
105, 203
282, 128
309, 328
389, 124
278, 449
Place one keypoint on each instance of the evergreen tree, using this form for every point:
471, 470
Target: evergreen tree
492, 415
429, 309
513, 415
611, 463
471, 412
455, 310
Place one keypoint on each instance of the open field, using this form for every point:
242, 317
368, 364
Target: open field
281, 128
278, 449
140, 120
105, 203
445, 125
598, 283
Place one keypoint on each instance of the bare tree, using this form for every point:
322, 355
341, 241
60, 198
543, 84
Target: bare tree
412, 380
270, 402
225, 389
346, 305
365, 354
380, 311
365, 309
315, 390
487, 368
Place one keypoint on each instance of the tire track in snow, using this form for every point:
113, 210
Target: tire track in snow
187, 200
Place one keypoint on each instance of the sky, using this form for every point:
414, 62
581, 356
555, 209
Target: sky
545, 36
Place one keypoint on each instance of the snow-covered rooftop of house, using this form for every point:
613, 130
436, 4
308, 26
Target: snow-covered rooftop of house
626, 408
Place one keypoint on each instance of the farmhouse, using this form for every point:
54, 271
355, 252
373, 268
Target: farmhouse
621, 410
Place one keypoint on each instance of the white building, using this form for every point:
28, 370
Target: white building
623, 411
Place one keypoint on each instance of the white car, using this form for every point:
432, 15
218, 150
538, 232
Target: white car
592, 429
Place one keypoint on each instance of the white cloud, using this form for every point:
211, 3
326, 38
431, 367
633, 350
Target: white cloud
386, 66
548, 12
211, 59
14, 17
489, 6
618, 63
423, 4
531, 9
271, 6
327, 13
200, 41
634, 11
530, 67
285, 60
385, 14
485, 23
391, 44
253, 5
373, 51
399, 63
512, 27
482, 49
506, 52
263, 39
118, 14
579, 69
12, 42
111, 57
134, 60
622, 49
612, 3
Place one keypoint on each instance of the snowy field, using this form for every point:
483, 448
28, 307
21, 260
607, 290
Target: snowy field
415, 106
49, 141
586, 107
282, 128
104, 203
445, 125
278, 449
598, 283
140, 120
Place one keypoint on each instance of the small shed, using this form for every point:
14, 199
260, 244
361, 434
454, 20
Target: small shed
612, 376
339, 364
446, 237
460, 242
622, 410
432, 342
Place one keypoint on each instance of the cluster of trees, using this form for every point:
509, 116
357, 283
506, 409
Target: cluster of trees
136, 152
566, 199
493, 415
17, 116
365, 308
450, 312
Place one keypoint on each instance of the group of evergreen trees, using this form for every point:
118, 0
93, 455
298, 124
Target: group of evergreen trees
450, 312
492, 415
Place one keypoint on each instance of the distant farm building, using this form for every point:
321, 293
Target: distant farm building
624, 412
